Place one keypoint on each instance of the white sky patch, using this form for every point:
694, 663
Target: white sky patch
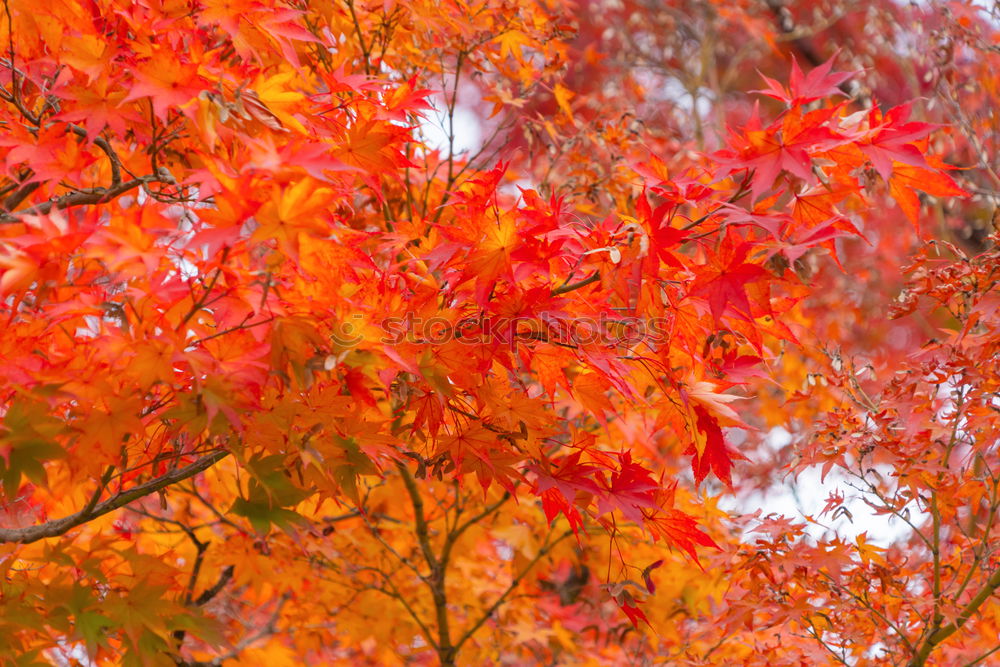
435, 125
806, 495
672, 90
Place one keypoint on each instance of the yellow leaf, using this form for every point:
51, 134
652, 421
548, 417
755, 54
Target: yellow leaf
510, 43
563, 96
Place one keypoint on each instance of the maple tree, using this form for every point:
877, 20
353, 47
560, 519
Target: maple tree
291, 375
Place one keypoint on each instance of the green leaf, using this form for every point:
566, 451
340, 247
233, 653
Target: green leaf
354, 463
91, 625
269, 492
262, 515
27, 439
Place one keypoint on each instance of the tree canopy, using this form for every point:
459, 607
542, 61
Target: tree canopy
378, 332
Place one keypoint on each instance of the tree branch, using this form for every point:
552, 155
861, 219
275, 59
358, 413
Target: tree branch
435, 581
209, 594
60, 526
82, 198
592, 278
513, 584
102, 143
268, 629
937, 637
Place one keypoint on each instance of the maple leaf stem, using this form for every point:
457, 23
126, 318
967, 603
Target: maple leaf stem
67, 523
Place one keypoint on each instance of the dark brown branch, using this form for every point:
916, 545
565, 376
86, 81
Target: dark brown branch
102, 143
209, 594
82, 198
268, 629
787, 26
20, 194
58, 527
592, 278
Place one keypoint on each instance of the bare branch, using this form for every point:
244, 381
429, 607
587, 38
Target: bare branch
513, 584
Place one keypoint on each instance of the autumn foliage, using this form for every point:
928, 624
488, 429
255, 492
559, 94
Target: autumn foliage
363, 332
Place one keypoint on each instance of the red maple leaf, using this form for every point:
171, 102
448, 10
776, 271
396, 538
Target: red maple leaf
631, 490
568, 476
678, 530
723, 285
892, 139
820, 82
785, 145
662, 236
634, 614
907, 179
717, 456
